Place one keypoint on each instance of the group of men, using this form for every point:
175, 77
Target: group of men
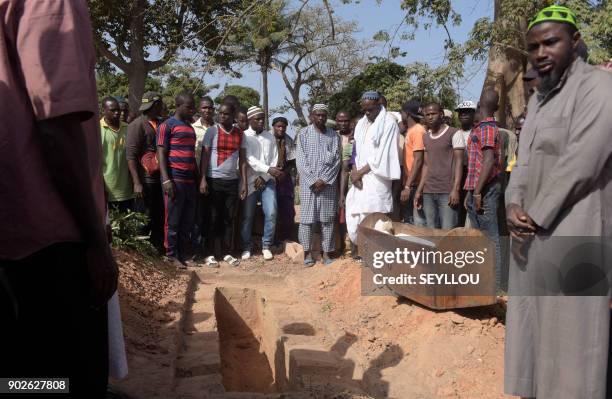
56, 180
191, 174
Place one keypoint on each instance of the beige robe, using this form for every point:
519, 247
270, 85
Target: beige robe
557, 346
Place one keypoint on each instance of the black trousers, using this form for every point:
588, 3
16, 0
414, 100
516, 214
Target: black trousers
222, 201
47, 327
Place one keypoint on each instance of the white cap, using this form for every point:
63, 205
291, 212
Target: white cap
467, 104
254, 111
448, 113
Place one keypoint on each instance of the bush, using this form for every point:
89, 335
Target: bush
126, 229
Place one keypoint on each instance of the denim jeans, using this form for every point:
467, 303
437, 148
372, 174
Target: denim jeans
269, 205
438, 214
486, 221
410, 214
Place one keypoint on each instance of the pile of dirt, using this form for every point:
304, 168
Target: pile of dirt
415, 352
151, 294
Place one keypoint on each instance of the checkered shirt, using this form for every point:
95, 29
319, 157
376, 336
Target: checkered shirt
483, 135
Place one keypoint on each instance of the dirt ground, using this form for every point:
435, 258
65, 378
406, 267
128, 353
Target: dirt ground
334, 342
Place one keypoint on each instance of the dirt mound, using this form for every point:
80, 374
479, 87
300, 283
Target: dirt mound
151, 294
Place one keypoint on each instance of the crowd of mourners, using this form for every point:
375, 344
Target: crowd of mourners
201, 173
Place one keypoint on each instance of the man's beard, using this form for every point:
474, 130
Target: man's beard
550, 80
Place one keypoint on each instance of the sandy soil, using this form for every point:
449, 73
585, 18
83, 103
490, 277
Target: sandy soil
392, 347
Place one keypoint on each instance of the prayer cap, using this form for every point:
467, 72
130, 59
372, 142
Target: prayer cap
319, 107
554, 13
370, 95
254, 111
448, 113
280, 119
467, 104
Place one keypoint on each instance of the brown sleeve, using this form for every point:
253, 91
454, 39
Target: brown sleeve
134, 140
57, 58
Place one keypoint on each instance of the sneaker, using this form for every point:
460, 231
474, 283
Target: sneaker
246, 255
267, 254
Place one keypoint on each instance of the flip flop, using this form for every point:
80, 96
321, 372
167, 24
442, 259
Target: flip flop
328, 261
309, 262
211, 262
231, 260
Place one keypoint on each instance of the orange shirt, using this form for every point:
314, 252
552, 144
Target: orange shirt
414, 142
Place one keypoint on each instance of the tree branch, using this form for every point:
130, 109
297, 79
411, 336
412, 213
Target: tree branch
112, 57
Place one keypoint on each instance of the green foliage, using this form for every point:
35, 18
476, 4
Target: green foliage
247, 96
380, 77
126, 228
176, 77
112, 83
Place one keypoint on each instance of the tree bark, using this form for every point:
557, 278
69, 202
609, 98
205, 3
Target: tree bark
136, 78
264, 79
505, 74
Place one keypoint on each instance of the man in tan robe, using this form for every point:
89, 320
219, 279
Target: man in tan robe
560, 193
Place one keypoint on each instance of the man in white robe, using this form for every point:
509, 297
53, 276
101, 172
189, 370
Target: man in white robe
375, 166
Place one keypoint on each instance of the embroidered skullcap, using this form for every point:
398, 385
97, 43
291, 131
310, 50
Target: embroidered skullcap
319, 107
254, 111
370, 95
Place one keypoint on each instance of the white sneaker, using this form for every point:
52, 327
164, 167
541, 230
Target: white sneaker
246, 255
267, 254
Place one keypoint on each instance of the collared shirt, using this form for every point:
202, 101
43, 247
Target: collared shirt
38, 83
262, 153
484, 135
179, 139
117, 179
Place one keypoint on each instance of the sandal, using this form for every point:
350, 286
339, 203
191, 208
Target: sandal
211, 262
309, 262
232, 261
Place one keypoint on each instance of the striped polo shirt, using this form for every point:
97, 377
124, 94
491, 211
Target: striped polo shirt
180, 140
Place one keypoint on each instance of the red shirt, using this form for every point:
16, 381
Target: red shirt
484, 135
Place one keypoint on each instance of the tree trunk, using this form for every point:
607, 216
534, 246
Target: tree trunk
264, 79
505, 75
136, 78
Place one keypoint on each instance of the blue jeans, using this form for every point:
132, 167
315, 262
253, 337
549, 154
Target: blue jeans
486, 221
438, 214
410, 214
268, 203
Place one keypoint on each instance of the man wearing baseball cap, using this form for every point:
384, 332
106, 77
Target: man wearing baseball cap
466, 112
140, 145
557, 337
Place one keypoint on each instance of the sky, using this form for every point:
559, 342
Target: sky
426, 47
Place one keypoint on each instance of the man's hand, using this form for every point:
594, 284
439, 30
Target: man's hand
204, 186
356, 179
454, 198
478, 203
418, 200
168, 187
102, 271
138, 191
519, 223
243, 192
319, 186
260, 184
275, 172
405, 195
